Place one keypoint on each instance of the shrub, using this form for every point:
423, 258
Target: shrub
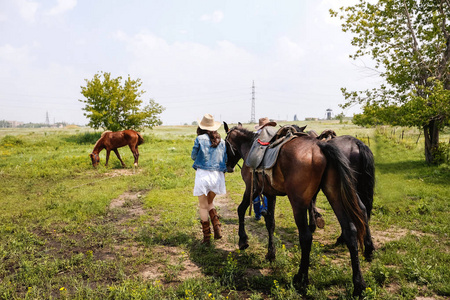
11, 140
86, 138
442, 153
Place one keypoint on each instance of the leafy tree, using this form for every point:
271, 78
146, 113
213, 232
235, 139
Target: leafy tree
114, 106
5, 124
340, 117
409, 41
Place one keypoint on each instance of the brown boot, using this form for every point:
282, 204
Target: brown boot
216, 224
206, 232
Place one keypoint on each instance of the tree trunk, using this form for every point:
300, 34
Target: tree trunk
431, 134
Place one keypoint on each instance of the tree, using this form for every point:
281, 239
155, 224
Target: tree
340, 117
409, 41
113, 106
5, 124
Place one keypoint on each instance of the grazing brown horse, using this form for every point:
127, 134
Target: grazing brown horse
113, 140
304, 166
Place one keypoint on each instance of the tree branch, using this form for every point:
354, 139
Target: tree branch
415, 44
442, 69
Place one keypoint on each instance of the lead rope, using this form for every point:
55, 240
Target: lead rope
251, 194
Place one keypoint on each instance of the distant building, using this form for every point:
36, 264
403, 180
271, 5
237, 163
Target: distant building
15, 123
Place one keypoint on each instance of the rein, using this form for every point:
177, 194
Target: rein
233, 151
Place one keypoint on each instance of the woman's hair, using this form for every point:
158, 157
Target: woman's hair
214, 136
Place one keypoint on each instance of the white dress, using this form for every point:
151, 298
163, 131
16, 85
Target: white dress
206, 181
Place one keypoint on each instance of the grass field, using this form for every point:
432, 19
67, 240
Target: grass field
69, 231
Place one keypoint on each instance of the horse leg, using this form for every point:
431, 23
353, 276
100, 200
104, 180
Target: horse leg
312, 215
368, 243
118, 156
349, 234
341, 240
315, 218
107, 157
136, 157
242, 208
270, 225
135, 152
305, 237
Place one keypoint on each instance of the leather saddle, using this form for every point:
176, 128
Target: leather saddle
265, 148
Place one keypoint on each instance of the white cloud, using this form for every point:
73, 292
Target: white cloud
15, 56
27, 9
3, 17
216, 17
62, 7
289, 50
185, 76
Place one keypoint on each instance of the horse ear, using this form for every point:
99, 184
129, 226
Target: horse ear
302, 129
225, 126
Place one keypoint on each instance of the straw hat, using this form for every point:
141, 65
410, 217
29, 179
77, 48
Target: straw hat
263, 122
208, 123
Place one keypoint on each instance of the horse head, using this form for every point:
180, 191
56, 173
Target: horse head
233, 142
327, 135
95, 159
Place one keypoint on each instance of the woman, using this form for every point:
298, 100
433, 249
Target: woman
209, 155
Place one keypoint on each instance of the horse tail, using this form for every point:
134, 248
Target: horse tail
366, 176
140, 139
347, 192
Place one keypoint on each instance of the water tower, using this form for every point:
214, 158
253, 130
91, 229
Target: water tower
329, 113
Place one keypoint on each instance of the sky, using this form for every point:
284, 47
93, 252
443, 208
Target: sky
193, 57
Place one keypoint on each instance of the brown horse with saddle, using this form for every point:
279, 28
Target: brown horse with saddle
303, 166
110, 140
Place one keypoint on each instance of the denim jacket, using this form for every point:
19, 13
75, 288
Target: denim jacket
208, 158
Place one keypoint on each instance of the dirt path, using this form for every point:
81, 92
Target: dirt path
173, 264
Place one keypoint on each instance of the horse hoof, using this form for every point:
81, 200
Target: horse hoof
320, 222
243, 246
300, 284
368, 253
340, 241
358, 290
270, 256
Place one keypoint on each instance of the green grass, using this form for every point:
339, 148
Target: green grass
61, 239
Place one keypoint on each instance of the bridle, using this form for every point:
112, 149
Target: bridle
233, 150
96, 157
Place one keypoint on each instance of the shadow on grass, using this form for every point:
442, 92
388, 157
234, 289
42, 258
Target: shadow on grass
236, 270
416, 170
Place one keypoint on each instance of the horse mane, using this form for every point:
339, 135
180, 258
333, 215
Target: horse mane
103, 134
247, 134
